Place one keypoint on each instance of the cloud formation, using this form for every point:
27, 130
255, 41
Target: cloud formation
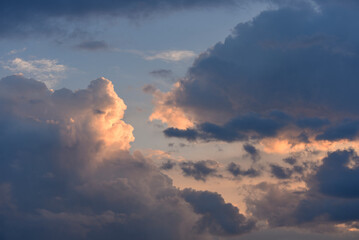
200, 170
47, 70
66, 172
303, 67
331, 197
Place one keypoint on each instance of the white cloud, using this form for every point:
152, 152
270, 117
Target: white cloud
16, 51
45, 70
169, 55
174, 55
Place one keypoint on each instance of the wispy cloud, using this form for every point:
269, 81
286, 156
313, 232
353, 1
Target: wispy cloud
16, 51
168, 55
174, 55
46, 70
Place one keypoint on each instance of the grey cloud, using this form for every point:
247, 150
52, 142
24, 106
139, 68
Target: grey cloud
219, 218
281, 172
200, 170
236, 171
168, 165
252, 151
249, 126
332, 197
161, 73
290, 160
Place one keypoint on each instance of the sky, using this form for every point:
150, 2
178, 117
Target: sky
179, 119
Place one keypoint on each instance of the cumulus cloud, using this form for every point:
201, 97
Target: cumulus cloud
219, 218
66, 172
303, 67
46, 70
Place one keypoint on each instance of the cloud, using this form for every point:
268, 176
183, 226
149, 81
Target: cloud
66, 172
304, 68
24, 18
173, 55
280, 172
253, 153
236, 171
219, 218
331, 196
168, 165
46, 70
162, 73
92, 45
200, 170
250, 126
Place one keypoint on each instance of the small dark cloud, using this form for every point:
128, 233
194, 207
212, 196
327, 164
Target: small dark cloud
236, 171
92, 45
219, 218
149, 88
281, 172
238, 129
290, 160
189, 134
161, 73
252, 151
168, 165
200, 170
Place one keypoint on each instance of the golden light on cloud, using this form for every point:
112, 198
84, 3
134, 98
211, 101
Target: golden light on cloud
167, 113
284, 146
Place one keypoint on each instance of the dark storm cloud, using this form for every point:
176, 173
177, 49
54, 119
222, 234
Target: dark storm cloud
22, 17
200, 170
219, 218
66, 172
300, 62
92, 45
236, 171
